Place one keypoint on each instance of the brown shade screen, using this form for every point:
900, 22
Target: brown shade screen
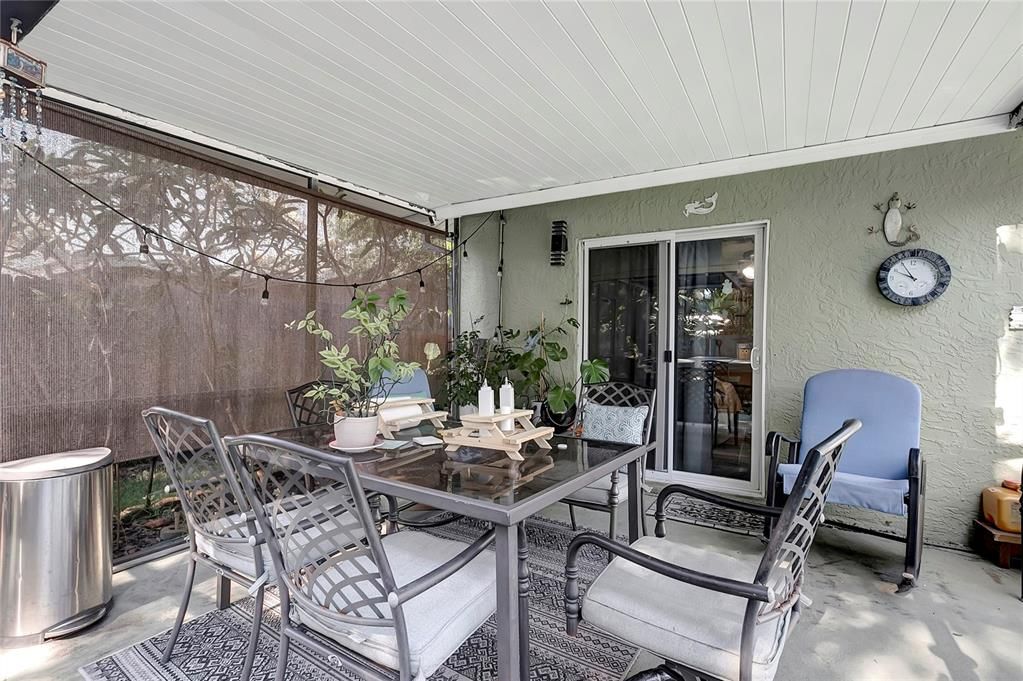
93, 332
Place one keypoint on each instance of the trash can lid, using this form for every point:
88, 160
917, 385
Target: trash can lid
55, 465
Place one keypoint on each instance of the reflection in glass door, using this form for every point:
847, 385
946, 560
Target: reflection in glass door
621, 319
682, 313
715, 363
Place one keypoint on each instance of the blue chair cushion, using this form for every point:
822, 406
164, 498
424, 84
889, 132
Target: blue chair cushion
862, 491
417, 386
888, 406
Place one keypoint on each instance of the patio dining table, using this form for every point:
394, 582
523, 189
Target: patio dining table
486, 485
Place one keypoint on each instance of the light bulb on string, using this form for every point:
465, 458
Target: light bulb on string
355, 292
500, 269
264, 299
465, 251
144, 246
422, 284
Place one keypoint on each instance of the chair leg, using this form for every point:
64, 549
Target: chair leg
257, 621
282, 657
182, 609
612, 523
914, 535
571, 516
642, 511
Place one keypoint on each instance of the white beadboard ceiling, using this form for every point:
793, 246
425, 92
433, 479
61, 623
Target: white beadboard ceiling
451, 104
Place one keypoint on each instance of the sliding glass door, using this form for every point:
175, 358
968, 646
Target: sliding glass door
682, 313
622, 321
715, 357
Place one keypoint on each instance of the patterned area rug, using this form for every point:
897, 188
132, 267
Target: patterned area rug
685, 509
212, 647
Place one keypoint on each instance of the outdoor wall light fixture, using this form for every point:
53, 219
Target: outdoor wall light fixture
559, 242
746, 266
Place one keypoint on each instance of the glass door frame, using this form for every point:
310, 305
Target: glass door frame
665, 403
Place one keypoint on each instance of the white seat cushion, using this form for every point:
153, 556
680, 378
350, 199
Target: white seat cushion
861, 491
695, 627
438, 621
239, 555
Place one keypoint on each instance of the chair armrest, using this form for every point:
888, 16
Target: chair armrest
662, 498
775, 442
731, 587
442, 572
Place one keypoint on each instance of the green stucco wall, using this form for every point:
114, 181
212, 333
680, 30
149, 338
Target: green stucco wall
823, 307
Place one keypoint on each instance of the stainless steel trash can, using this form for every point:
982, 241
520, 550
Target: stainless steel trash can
55, 560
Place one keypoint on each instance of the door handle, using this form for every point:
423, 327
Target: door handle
754, 358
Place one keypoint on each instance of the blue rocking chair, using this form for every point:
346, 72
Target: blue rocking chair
881, 468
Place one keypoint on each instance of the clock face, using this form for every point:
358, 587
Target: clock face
913, 277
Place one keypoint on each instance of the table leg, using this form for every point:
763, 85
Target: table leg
524, 584
635, 499
223, 592
508, 647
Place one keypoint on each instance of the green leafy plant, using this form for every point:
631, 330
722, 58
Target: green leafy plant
365, 375
537, 368
468, 364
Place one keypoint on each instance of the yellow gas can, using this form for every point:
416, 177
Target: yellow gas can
1001, 508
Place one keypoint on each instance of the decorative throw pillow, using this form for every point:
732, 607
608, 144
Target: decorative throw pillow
614, 424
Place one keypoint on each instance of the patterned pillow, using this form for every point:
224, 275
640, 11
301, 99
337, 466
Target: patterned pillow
614, 424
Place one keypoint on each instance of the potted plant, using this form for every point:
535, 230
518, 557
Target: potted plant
539, 375
468, 365
363, 376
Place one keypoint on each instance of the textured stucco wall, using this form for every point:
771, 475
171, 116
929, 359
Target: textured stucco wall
823, 308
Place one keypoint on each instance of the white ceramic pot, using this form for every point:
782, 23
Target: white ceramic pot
355, 431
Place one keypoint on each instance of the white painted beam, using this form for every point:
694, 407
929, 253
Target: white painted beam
735, 166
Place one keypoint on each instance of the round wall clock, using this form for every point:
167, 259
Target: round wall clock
913, 277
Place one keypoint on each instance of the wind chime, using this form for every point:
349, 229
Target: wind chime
22, 78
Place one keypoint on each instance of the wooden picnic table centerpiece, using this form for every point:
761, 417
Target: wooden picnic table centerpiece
485, 432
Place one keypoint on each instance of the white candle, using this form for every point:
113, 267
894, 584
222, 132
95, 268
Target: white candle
485, 400
507, 395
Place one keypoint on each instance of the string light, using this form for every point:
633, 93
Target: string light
147, 231
265, 298
422, 284
500, 269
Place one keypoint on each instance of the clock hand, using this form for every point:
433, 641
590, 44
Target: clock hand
906, 269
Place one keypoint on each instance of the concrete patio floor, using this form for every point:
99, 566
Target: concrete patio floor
963, 623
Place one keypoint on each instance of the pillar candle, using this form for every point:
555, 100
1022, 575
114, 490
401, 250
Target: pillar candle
507, 395
485, 398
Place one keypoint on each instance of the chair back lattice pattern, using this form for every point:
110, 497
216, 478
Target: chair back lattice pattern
197, 464
319, 529
784, 560
621, 394
306, 411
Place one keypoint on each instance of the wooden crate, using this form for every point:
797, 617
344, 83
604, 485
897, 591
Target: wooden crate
998, 546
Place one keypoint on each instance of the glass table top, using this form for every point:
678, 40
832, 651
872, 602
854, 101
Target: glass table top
472, 472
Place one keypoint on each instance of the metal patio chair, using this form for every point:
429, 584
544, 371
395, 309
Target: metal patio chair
882, 469
306, 411
405, 601
220, 526
624, 414
414, 515
712, 616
